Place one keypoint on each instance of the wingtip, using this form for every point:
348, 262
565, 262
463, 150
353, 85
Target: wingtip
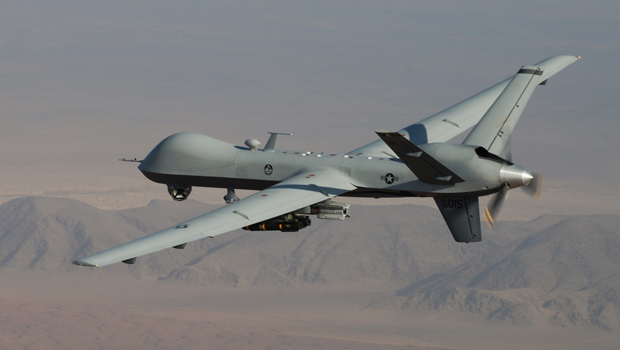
83, 263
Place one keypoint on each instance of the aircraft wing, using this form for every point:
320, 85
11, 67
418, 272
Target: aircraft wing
453, 121
299, 191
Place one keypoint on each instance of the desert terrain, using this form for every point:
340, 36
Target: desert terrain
390, 277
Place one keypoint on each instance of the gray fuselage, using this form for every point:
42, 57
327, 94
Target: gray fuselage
191, 159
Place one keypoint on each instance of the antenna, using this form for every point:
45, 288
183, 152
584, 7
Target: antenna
271, 144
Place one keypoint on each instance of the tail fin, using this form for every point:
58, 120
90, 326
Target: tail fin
423, 165
495, 127
453, 121
462, 215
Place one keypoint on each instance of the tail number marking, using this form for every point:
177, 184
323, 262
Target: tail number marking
452, 203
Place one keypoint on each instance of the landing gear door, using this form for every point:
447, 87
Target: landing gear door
462, 214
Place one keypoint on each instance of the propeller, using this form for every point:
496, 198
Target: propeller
532, 187
508, 149
494, 206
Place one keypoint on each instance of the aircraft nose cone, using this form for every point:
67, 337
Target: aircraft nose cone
526, 177
515, 176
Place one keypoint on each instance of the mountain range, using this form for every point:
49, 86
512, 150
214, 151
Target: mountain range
556, 269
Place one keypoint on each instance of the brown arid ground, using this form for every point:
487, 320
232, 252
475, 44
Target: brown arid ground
62, 312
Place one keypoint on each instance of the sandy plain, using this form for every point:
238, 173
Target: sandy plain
59, 311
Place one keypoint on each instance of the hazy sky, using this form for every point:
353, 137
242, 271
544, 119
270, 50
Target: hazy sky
85, 83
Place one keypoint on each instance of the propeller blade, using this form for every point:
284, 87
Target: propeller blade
535, 186
494, 206
508, 149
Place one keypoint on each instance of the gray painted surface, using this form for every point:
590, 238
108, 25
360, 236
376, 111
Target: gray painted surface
497, 124
290, 181
453, 121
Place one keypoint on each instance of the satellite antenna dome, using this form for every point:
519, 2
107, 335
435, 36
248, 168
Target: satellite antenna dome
252, 144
